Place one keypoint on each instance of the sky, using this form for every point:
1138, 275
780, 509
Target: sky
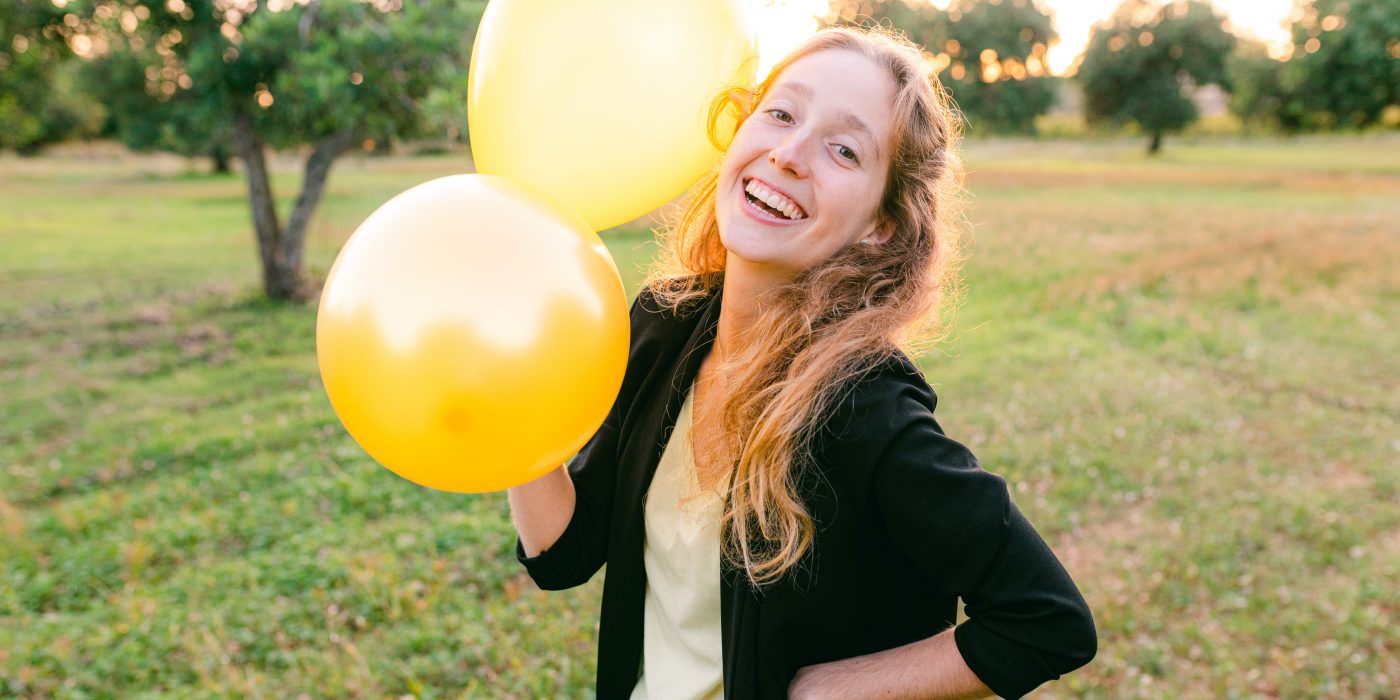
1263, 19
783, 23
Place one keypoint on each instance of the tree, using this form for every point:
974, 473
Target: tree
1256, 95
40, 102
1139, 64
325, 74
924, 24
187, 121
990, 54
1344, 68
996, 53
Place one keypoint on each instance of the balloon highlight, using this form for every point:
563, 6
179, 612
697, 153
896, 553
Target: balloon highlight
472, 334
602, 104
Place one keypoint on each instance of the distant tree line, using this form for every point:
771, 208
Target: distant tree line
230, 78
990, 56
150, 79
1141, 64
1342, 69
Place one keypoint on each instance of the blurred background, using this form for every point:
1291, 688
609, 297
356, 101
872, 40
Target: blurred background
1179, 342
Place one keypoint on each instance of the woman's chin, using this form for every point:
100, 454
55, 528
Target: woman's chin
767, 260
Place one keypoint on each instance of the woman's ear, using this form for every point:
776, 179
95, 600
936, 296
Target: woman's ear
879, 232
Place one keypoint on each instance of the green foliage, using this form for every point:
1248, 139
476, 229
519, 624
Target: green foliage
1003, 106
183, 123
1138, 64
1019, 33
924, 24
173, 79
1345, 67
998, 92
444, 113
327, 73
40, 100
1254, 80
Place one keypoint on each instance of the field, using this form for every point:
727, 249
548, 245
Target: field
1188, 368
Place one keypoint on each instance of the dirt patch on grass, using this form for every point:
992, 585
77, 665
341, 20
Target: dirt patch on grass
204, 341
1335, 260
1146, 175
11, 519
156, 314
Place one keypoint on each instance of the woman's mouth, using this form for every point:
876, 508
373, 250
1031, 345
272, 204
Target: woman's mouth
768, 204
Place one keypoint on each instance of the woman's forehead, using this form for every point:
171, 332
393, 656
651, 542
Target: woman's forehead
860, 91
836, 73
825, 62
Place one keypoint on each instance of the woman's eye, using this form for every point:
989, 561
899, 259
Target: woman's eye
780, 115
846, 153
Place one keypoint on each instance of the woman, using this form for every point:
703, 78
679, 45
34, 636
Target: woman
780, 513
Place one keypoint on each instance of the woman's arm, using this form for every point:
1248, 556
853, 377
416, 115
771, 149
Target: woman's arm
932, 668
1026, 620
563, 517
542, 509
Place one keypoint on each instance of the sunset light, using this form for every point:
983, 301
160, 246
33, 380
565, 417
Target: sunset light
1266, 20
781, 24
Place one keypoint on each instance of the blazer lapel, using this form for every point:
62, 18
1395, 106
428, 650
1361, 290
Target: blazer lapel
654, 415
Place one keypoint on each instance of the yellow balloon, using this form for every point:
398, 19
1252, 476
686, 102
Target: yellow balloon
602, 104
472, 334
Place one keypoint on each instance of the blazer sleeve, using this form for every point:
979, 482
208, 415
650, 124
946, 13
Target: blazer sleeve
582, 548
1027, 622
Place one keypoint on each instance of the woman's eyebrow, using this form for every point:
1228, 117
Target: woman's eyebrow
802, 89
855, 123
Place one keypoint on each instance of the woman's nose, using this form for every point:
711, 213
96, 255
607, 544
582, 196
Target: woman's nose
790, 155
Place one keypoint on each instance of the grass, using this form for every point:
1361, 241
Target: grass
1185, 367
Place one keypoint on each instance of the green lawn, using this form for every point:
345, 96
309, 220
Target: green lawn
1188, 368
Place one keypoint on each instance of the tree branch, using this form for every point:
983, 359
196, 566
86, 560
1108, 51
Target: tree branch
250, 150
318, 166
308, 17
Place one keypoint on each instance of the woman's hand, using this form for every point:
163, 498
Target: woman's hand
931, 668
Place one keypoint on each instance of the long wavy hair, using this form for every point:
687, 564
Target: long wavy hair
834, 321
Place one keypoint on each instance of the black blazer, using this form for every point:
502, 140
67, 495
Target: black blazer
907, 522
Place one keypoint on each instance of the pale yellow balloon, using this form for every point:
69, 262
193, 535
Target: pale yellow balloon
472, 334
602, 104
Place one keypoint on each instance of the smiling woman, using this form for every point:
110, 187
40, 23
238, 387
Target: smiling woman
779, 511
811, 147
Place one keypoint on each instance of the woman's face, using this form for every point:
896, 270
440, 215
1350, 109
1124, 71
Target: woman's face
806, 171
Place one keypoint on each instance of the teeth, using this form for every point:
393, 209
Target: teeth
788, 207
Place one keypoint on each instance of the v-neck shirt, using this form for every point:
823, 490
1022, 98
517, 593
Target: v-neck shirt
683, 655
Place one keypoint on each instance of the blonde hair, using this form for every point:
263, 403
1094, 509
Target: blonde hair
834, 321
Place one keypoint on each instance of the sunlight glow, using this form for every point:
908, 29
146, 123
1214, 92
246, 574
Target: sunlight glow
781, 25
1265, 20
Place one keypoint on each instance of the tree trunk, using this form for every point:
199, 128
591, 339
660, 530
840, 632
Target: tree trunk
219, 152
279, 249
279, 282
1155, 144
313, 185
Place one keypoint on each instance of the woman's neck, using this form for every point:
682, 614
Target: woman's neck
746, 289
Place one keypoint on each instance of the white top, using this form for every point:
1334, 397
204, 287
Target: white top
681, 650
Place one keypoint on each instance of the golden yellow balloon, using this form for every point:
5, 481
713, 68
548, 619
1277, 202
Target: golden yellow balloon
472, 334
602, 104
